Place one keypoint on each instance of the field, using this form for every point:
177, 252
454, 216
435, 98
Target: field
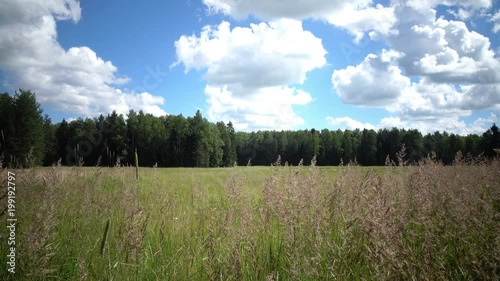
426, 222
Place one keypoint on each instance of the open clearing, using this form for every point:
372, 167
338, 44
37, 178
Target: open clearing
257, 223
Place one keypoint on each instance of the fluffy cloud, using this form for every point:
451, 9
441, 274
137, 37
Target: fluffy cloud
463, 56
347, 123
358, 16
429, 101
378, 82
265, 109
444, 51
446, 124
392, 122
74, 80
33, 11
143, 101
376, 20
454, 69
249, 70
479, 97
365, 84
264, 55
484, 123
463, 4
270, 10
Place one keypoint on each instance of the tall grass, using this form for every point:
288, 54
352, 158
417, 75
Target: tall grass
424, 222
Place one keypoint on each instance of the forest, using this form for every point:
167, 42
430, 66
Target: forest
29, 138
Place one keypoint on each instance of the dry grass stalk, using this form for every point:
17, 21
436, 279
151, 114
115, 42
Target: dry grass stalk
104, 237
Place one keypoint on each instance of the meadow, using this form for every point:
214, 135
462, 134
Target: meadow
423, 222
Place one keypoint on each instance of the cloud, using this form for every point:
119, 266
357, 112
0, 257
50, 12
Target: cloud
269, 10
429, 102
378, 82
264, 55
376, 20
496, 22
461, 14
265, 109
138, 101
392, 122
477, 97
347, 123
467, 4
447, 124
444, 51
365, 84
74, 80
31, 12
434, 72
454, 71
484, 123
250, 70
357, 17
455, 125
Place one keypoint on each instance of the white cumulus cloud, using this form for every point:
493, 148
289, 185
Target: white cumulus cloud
76, 80
347, 123
366, 84
266, 54
265, 109
392, 122
445, 51
445, 124
464, 4
250, 71
357, 17
378, 83
454, 70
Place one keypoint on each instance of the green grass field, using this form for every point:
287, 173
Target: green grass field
256, 223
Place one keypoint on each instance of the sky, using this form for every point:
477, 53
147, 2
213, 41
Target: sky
429, 65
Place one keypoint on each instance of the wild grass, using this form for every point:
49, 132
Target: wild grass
424, 222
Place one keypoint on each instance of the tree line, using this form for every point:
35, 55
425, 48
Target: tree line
28, 138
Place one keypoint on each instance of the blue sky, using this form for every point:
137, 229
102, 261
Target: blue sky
300, 64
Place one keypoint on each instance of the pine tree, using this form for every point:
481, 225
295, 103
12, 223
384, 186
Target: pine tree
29, 136
491, 141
